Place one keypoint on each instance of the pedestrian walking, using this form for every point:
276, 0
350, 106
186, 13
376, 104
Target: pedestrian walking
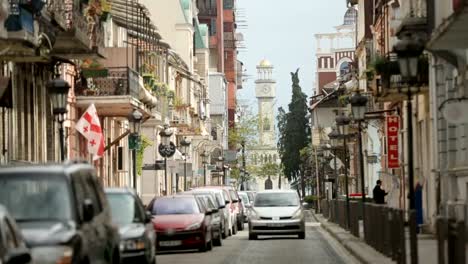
378, 193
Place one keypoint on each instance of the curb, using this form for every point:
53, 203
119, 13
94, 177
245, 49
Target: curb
347, 240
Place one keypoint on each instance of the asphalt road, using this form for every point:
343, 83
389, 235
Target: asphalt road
318, 247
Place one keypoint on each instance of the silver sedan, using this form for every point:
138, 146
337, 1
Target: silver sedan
277, 212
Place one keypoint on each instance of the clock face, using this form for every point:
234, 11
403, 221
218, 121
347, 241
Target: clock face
266, 89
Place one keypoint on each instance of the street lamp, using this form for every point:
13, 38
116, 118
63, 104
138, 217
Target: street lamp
166, 149
204, 155
58, 91
408, 50
342, 121
185, 143
359, 107
220, 164
326, 148
135, 118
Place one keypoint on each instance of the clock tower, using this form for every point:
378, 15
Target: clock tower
265, 91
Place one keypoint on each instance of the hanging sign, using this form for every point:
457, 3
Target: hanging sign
393, 128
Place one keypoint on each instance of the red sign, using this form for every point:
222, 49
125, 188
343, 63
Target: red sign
393, 128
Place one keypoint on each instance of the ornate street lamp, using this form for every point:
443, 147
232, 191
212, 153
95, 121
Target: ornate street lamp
135, 119
185, 143
204, 155
326, 149
342, 121
359, 107
58, 91
166, 149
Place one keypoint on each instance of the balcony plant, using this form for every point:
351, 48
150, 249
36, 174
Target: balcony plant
160, 89
179, 103
93, 69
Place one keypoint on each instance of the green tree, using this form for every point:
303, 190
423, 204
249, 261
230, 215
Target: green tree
268, 169
296, 133
246, 130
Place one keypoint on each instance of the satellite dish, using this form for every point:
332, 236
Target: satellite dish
339, 163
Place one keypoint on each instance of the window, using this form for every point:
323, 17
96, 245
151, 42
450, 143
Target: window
170, 206
92, 193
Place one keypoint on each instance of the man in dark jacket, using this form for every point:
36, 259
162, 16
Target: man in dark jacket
379, 194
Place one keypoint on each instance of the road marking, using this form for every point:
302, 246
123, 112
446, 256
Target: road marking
313, 224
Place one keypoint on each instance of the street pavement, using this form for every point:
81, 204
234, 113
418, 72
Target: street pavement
318, 247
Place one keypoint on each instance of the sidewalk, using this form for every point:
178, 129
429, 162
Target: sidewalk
357, 247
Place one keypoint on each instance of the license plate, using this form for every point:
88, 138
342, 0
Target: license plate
275, 225
275, 218
170, 243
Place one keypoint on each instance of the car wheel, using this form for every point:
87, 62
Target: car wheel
234, 229
218, 241
115, 257
204, 247
225, 233
252, 236
301, 235
210, 243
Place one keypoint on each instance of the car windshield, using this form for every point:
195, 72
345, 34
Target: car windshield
36, 197
276, 199
124, 209
244, 197
179, 205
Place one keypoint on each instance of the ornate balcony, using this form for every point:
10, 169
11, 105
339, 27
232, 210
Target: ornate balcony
115, 92
82, 34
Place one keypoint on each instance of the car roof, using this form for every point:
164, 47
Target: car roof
123, 190
277, 191
48, 168
177, 196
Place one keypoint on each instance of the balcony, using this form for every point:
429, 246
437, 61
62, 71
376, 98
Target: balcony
82, 34
115, 92
19, 35
206, 9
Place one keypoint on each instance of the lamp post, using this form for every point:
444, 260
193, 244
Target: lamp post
204, 155
409, 50
185, 143
58, 91
243, 165
334, 135
166, 150
358, 108
342, 121
220, 164
135, 119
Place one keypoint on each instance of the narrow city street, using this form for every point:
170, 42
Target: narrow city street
318, 247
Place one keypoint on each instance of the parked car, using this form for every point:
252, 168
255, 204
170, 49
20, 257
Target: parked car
13, 249
245, 205
276, 212
181, 223
219, 218
222, 197
137, 234
62, 212
235, 205
209, 205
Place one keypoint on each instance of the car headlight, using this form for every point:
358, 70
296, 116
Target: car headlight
297, 214
132, 244
58, 255
193, 226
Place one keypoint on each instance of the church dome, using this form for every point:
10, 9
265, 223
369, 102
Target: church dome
265, 63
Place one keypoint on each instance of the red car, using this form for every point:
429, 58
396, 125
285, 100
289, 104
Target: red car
181, 222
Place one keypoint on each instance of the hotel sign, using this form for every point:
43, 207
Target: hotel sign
393, 128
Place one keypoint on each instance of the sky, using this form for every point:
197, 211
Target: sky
283, 32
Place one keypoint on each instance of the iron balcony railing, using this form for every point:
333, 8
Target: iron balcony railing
117, 81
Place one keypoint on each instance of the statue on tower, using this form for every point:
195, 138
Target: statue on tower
295, 77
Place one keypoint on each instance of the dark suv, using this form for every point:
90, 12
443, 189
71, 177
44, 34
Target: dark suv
62, 212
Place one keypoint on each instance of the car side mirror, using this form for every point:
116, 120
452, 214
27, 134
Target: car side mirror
222, 206
88, 210
148, 217
18, 256
208, 212
227, 202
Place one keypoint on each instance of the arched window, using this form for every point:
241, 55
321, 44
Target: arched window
344, 68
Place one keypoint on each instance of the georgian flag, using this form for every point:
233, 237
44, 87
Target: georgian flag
90, 127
